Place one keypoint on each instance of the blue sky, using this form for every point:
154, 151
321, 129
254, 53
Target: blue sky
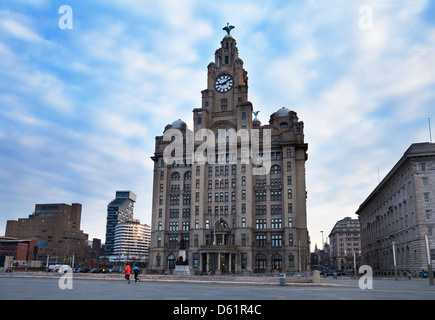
80, 108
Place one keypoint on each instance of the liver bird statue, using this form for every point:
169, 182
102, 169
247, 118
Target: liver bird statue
228, 28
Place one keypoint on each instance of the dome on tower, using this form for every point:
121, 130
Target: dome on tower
283, 112
178, 124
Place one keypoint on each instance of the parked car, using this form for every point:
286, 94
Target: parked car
338, 272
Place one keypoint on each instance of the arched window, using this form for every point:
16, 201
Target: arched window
276, 262
283, 125
243, 115
275, 169
175, 176
260, 262
187, 175
171, 261
199, 120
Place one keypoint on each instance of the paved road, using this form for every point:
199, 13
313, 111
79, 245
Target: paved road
48, 289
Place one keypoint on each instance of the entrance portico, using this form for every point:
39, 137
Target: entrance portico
220, 257
218, 260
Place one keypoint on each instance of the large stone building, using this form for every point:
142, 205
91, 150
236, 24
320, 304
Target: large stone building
345, 244
56, 227
238, 205
400, 211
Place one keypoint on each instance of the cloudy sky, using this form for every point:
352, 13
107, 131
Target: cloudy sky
80, 108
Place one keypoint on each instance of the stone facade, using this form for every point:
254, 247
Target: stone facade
231, 213
401, 211
345, 245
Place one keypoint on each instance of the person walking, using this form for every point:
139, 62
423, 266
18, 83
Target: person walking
127, 272
136, 272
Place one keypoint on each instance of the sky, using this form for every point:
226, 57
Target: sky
84, 92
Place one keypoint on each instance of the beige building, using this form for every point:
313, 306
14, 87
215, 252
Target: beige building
231, 208
345, 245
400, 211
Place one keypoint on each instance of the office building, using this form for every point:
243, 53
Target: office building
56, 227
399, 213
118, 210
345, 245
131, 242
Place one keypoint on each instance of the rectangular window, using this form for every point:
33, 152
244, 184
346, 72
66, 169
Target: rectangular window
425, 181
277, 240
243, 239
261, 224
261, 241
276, 223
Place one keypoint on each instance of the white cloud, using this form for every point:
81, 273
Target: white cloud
19, 31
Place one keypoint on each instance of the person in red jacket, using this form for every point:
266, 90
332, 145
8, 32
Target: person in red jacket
127, 272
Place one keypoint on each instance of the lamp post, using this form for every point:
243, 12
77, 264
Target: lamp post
354, 264
394, 260
429, 260
323, 244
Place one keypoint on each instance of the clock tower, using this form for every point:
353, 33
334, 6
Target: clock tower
227, 214
225, 101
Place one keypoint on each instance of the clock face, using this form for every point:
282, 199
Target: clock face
224, 83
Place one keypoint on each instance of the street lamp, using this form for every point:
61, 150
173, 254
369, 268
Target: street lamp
429, 260
394, 260
323, 243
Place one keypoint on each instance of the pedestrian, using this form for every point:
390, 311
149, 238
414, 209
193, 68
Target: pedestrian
136, 272
127, 272
409, 275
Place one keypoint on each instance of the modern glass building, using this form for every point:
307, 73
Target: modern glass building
118, 210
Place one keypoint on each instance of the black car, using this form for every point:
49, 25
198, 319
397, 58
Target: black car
338, 272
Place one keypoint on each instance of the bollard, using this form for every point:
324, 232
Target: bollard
282, 279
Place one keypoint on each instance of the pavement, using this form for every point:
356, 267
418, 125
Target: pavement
24, 286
